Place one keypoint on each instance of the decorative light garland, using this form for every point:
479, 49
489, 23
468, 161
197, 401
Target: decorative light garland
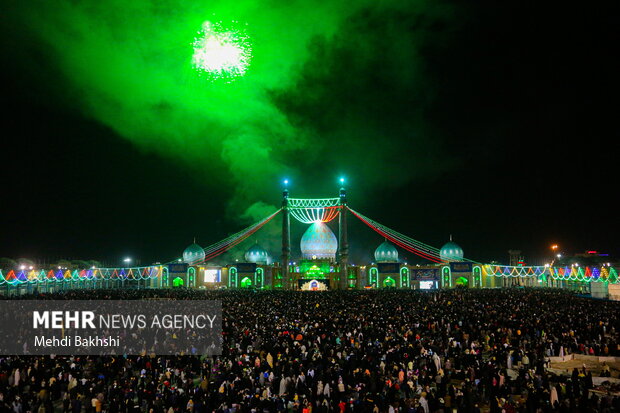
122, 273
221, 247
97, 274
606, 274
311, 215
309, 211
312, 203
426, 252
567, 273
514, 271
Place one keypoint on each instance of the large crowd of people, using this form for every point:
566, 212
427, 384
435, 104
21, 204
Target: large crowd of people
344, 351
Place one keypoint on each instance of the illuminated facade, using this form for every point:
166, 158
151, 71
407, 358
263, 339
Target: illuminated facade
323, 263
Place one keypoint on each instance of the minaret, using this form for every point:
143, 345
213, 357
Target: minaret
286, 238
343, 243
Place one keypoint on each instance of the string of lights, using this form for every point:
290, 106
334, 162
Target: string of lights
399, 239
13, 277
308, 211
311, 215
38, 276
223, 246
514, 271
403, 238
293, 203
567, 273
418, 245
578, 273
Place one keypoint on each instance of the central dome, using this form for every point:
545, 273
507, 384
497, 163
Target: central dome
319, 242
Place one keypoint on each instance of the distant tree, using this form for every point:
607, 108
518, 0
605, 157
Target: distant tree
79, 264
62, 264
26, 262
7, 263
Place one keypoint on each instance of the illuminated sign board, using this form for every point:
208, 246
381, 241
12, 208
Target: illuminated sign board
425, 273
388, 267
460, 267
246, 268
212, 275
177, 268
427, 285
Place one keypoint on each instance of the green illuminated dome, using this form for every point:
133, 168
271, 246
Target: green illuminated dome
193, 253
386, 252
319, 242
451, 251
257, 255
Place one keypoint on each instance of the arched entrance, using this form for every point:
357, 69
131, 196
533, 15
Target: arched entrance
462, 281
389, 282
178, 282
246, 282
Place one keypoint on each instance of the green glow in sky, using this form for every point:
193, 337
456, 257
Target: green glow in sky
242, 92
221, 53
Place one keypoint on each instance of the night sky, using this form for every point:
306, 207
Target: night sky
490, 121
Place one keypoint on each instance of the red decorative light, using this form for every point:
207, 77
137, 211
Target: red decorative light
398, 241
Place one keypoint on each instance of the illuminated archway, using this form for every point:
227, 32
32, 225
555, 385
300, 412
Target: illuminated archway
246, 282
477, 274
191, 277
389, 282
462, 281
373, 277
404, 277
260, 277
232, 277
178, 282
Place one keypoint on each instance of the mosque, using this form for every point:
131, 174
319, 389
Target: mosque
318, 269
323, 263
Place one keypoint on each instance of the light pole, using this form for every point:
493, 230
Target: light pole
554, 248
343, 244
286, 238
127, 261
